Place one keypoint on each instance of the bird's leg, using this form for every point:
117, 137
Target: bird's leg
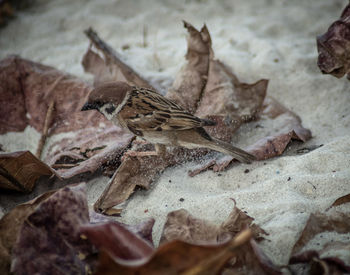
160, 150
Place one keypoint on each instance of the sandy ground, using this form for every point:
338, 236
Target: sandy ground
258, 39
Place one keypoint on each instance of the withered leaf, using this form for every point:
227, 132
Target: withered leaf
139, 172
190, 82
118, 240
109, 68
320, 265
318, 223
173, 258
10, 225
28, 88
181, 225
341, 200
20, 170
49, 240
334, 47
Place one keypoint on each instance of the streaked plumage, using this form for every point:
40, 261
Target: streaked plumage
157, 119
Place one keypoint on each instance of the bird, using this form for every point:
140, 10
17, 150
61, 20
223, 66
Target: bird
156, 119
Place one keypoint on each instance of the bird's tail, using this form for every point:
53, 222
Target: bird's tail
228, 149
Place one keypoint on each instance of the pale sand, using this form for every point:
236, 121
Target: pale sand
258, 39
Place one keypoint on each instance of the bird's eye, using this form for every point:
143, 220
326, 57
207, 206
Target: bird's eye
99, 104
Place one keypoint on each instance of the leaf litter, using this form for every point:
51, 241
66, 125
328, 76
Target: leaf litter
27, 82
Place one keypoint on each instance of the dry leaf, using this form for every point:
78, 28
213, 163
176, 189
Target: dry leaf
20, 170
189, 84
139, 172
10, 225
318, 223
174, 258
334, 47
118, 240
49, 241
320, 265
250, 259
109, 67
340, 201
181, 225
28, 88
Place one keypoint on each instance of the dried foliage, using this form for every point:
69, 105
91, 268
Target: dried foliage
334, 47
28, 89
49, 240
327, 259
20, 170
10, 225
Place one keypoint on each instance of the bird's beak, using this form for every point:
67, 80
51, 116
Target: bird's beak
88, 106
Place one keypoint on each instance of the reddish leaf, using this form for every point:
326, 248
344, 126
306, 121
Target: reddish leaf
110, 67
49, 240
119, 241
318, 223
20, 170
10, 225
181, 225
334, 47
173, 258
28, 87
190, 82
320, 266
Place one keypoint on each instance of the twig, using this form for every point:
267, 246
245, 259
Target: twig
111, 55
47, 123
64, 165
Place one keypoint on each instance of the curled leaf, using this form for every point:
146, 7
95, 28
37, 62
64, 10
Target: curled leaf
318, 223
10, 225
190, 82
49, 240
20, 170
334, 47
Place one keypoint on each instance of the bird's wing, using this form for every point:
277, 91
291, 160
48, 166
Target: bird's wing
157, 113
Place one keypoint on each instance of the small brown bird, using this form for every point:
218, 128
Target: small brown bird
155, 118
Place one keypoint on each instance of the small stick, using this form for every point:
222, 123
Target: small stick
47, 123
64, 165
111, 55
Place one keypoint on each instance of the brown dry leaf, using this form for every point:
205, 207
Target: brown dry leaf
141, 172
317, 265
176, 257
190, 82
109, 67
334, 47
28, 88
332, 256
10, 225
181, 225
120, 241
49, 241
318, 223
340, 201
287, 127
20, 170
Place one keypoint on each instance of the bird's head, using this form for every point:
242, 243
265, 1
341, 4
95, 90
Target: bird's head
108, 98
